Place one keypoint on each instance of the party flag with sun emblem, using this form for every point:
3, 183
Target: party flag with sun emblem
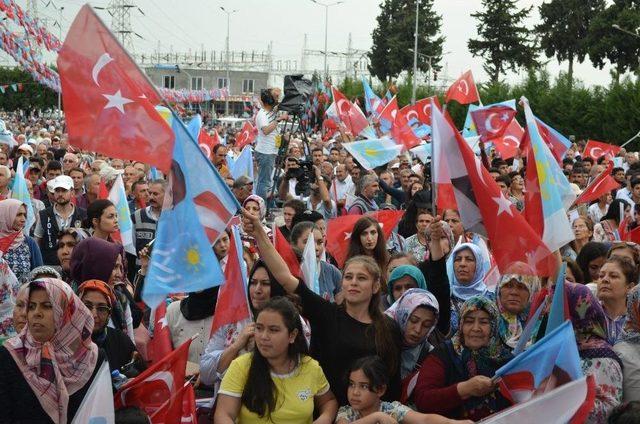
373, 153
197, 208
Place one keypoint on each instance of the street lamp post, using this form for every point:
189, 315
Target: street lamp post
415, 56
226, 98
326, 31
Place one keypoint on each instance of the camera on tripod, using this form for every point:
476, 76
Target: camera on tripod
304, 177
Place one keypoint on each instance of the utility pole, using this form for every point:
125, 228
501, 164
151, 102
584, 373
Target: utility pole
226, 98
415, 57
326, 31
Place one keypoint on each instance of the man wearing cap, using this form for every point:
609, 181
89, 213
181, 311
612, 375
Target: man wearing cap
60, 216
25, 150
242, 188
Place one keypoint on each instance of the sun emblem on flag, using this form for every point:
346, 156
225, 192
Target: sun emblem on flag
193, 257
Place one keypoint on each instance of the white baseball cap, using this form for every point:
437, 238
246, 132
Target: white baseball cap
25, 146
61, 181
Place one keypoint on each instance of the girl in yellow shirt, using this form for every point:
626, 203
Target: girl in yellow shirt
278, 382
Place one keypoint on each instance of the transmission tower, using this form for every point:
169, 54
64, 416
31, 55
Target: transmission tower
120, 11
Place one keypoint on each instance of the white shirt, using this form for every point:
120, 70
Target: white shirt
595, 213
340, 189
266, 143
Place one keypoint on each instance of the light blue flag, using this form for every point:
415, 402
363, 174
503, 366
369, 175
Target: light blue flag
423, 152
197, 212
373, 153
555, 192
557, 312
20, 192
368, 133
243, 165
372, 102
194, 126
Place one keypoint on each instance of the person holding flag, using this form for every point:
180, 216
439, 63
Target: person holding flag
455, 381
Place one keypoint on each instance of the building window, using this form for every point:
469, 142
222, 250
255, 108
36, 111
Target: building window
196, 83
247, 86
169, 81
222, 83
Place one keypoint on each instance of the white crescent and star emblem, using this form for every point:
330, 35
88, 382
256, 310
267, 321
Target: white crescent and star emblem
504, 205
339, 104
116, 100
412, 114
463, 87
347, 236
511, 140
426, 109
100, 63
479, 170
595, 155
487, 123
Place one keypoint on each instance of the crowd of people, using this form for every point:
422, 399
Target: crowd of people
405, 329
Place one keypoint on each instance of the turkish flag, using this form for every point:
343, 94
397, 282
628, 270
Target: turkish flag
388, 220
596, 149
349, 114
421, 111
339, 236
231, 306
180, 408
286, 251
512, 239
507, 144
5, 242
402, 133
463, 90
246, 136
160, 344
156, 385
493, 121
603, 184
389, 111
207, 139
109, 103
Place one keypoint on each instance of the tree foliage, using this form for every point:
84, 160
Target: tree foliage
607, 44
32, 96
504, 41
564, 29
393, 38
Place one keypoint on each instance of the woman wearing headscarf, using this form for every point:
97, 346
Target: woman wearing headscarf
97, 259
416, 313
466, 269
23, 254
455, 380
46, 370
607, 229
403, 278
190, 316
99, 298
254, 204
596, 354
628, 348
515, 292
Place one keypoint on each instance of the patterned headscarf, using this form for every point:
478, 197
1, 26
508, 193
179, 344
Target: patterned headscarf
58, 368
632, 326
476, 287
495, 349
8, 210
260, 201
589, 322
400, 311
510, 326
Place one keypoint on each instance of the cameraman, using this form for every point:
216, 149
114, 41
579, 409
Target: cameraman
289, 181
268, 139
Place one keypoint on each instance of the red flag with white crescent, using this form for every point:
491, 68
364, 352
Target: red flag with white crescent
463, 90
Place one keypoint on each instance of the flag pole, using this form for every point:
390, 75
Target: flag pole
631, 139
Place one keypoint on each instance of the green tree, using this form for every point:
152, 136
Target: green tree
32, 96
606, 43
393, 38
564, 29
504, 42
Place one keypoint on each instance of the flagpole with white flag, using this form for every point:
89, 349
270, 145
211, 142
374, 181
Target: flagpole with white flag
97, 405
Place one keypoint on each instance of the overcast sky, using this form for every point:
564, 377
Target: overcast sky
186, 24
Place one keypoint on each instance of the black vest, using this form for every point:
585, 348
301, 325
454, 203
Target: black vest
49, 243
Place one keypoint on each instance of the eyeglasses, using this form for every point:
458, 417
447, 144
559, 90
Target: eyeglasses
103, 310
68, 161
